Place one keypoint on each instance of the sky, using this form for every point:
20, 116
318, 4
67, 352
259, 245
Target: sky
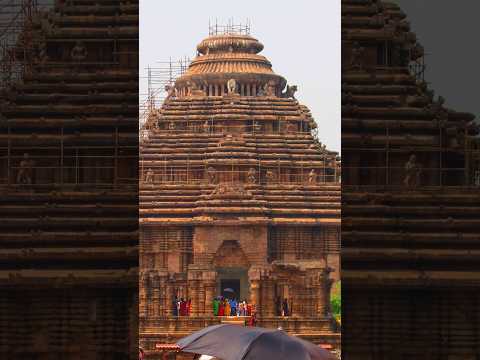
448, 30
302, 40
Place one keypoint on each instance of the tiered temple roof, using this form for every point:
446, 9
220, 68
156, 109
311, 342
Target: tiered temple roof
410, 205
235, 184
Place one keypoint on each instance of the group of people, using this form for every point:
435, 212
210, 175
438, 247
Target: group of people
223, 306
182, 307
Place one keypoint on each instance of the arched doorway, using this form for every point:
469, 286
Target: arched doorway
232, 267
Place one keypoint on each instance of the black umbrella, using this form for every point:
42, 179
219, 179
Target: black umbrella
234, 342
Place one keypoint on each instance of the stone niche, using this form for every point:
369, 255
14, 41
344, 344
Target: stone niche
211, 241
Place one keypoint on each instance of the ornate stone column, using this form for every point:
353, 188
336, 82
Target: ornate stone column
255, 289
169, 296
142, 306
209, 283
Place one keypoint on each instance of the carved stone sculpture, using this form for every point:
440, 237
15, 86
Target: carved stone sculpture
79, 52
356, 61
270, 175
290, 92
252, 176
149, 176
211, 175
232, 86
312, 177
413, 172
25, 173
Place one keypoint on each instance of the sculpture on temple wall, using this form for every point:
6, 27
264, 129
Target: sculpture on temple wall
257, 126
270, 88
252, 176
413, 172
270, 175
356, 59
79, 52
292, 127
206, 127
149, 176
171, 126
25, 172
211, 175
232, 87
312, 177
290, 92
171, 92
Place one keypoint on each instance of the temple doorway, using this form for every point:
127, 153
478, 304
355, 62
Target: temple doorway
235, 279
230, 288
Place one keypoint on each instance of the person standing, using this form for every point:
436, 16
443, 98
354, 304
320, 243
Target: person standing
228, 308
221, 308
175, 306
285, 310
215, 306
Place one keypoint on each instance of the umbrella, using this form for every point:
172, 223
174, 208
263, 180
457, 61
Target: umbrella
234, 342
229, 290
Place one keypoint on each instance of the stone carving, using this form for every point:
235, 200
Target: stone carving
312, 177
149, 176
413, 172
171, 91
269, 88
206, 127
25, 173
171, 126
79, 52
232, 87
356, 61
256, 126
252, 176
291, 127
270, 175
290, 92
211, 175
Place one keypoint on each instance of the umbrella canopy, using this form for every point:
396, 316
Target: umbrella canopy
229, 290
233, 342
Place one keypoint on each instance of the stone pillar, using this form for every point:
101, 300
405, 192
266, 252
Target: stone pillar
254, 90
242, 89
209, 280
169, 297
248, 89
255, 289
155, 300
268, 297
142, 306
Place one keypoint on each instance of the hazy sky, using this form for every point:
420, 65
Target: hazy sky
301, 39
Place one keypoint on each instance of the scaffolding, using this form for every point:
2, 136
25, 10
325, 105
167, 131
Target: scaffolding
17, 19
230, 28
157, 80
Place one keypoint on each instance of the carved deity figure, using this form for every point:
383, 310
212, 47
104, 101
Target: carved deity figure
149, 176
251, 176
25, 173
171, 126
269, 88
171, 91
476, 178
413, 172
312, 177
270, 175
290, 92
291, 127
79, 52
356, 60
232, 86
206, 127
211, 175
256, 126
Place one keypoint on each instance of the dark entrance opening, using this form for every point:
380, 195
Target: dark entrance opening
232, 287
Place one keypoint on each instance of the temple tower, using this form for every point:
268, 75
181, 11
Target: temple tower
410, 199
236, 193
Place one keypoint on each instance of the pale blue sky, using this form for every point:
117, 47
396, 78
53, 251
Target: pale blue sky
302, 39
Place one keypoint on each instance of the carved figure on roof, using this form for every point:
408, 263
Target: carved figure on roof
232, 86
206, 127
171, 126
356, 61
270, 175
25, 172
290, 92
171, 91
79, 51
413, 172
149, 176
312, 177
257, 126
211, 175
270, 88
252, 176
291, 127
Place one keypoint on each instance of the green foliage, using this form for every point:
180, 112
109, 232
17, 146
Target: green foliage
336, 300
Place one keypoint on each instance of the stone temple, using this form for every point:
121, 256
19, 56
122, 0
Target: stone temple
236, 193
